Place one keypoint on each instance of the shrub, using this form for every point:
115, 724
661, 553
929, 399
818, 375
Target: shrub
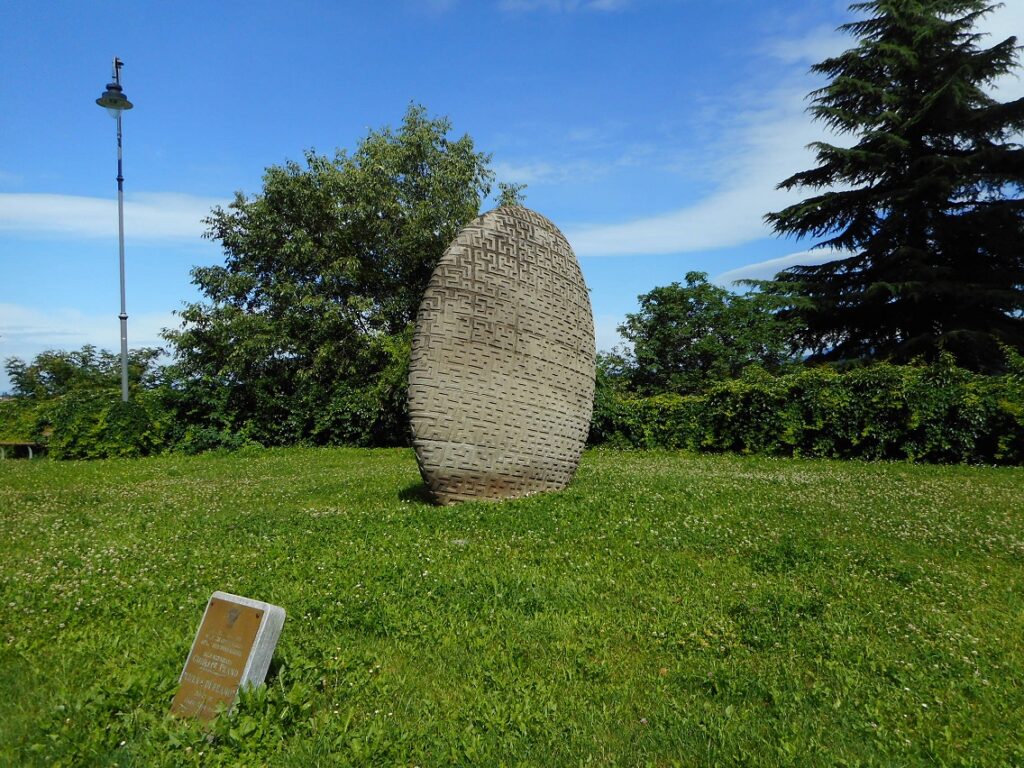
934, 413
19, 420
97, 425
200, 439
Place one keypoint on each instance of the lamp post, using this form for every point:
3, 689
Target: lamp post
115, 102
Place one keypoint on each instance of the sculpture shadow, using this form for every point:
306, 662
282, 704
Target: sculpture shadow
417, 493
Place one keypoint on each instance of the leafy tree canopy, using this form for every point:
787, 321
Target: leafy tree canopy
303, 334
927, 202
687, 336
56, 372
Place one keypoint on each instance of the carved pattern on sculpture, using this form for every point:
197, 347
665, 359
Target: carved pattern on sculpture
501, 380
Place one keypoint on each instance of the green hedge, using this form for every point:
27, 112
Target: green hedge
936, 413
97, 425
89, 424
18, 420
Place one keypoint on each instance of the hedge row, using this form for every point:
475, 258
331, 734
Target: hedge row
86, 424
936, 413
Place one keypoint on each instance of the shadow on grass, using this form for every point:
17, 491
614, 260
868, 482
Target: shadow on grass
417, 493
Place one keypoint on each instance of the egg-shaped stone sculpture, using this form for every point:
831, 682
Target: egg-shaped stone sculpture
501, 380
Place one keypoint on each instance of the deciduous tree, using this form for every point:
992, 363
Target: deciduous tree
303, 331
687, 336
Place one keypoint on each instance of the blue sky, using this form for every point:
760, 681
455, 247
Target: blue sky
652, 132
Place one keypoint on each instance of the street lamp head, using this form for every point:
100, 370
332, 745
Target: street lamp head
114, 100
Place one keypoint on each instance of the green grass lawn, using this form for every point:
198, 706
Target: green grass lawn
666, 609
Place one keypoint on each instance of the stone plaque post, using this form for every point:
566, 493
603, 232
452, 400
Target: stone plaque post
232, 649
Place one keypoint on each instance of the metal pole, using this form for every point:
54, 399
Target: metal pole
120, 235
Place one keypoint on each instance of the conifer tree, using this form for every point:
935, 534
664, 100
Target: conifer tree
926, 206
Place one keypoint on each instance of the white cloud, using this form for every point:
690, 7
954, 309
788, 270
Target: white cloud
525, 173
999, 25
817, 45
578, 168
540, 171
25, 332
1004, 22
823, 42
766, 270
761, 148
67, 328
148, 215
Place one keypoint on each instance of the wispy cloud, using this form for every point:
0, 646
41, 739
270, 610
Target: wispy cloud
583, 160
66, 328
562, 6
542, 171
823, 41
148, 215
818, 44
25, 331
766, 270
762, 147
1004, 21
999, 25
530, 172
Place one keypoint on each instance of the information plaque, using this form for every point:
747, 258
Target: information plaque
232, 649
